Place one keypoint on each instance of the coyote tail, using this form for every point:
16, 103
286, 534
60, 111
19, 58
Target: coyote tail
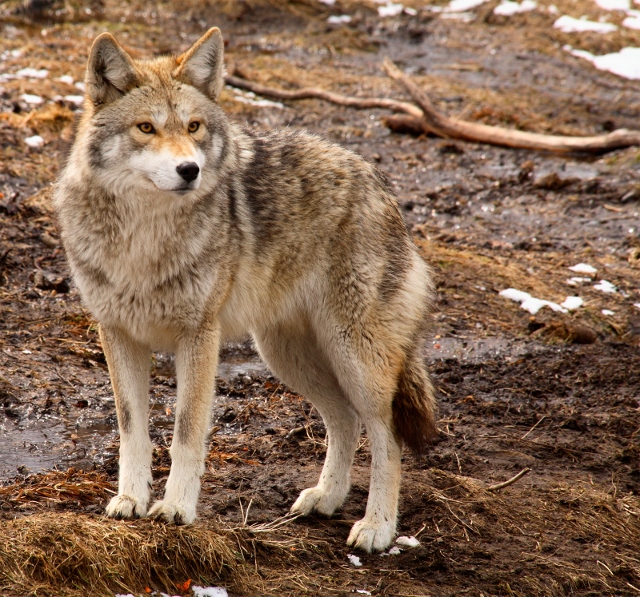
414, 406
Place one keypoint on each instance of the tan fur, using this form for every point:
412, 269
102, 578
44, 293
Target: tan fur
178, 240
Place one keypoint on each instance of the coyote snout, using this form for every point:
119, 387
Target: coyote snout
281, 235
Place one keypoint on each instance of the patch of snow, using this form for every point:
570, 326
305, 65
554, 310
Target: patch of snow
394, 551
337, 19
575, 281
568, 24
407, 541
81, 86
33, 100
463, 5
607, 312
553, 9
583, 268
35, 141
625, 63
636, 305
363, 591
354, 560
571, 303
533, 305
632, 22
32, 73
74, 99
390, 10
328, 2
508, 8
411, 11
530, 303
605, 286
209, 591
614, 4
515, 295
68, 79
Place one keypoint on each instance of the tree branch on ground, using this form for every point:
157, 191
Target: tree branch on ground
424, 118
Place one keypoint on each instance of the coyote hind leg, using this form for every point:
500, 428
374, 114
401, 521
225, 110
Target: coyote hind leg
295, 357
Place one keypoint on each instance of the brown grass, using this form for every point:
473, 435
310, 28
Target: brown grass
68, 554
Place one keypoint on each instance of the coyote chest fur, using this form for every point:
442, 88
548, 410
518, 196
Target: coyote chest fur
183, 229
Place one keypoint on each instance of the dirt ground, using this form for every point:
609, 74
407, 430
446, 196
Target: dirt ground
557, 393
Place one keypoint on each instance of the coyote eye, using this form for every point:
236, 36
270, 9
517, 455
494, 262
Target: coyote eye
147, 128
193, 126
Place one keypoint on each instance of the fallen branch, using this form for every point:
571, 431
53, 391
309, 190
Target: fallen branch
361, 103
443, 126
424, 118
499, 486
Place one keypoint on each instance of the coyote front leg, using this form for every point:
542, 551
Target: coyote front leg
196, 364
128, 363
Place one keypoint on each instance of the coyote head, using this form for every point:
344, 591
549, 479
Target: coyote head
155, 125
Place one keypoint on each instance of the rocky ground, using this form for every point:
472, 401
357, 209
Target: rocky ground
554, 392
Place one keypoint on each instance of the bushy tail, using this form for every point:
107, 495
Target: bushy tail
414, 406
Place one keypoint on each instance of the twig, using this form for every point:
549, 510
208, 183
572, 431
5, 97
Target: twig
444, 126
538, 423
499, 486
360, 103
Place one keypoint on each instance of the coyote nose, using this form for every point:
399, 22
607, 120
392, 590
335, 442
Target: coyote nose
188, 170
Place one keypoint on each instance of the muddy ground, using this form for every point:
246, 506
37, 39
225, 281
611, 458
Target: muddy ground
556, 393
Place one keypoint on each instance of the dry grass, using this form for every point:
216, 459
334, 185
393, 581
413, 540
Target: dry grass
68, 554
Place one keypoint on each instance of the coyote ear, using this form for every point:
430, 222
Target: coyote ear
110, 71
202, 65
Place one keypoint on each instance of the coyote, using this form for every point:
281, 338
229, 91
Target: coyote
183, 229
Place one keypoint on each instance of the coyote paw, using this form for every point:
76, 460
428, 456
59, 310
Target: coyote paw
315, 499
371, 536
168, 512
124, 506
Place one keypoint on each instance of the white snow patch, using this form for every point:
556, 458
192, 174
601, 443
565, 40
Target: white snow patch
515, 295
605, 286
337, 19
34, 100
568, 24
411, 11
614, 4
209, 591
328, 2
465, 17
32, 73
394, 551
625, 63
35, 141
607, 312
575, 281
363, 591
636, 305
508, 8
390, 10
583, 268
533, 305
74, 99
632, 22
571, 303
355, 560
407, 541
81, 86
530, 303
553, 9
68, 79
463, 5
